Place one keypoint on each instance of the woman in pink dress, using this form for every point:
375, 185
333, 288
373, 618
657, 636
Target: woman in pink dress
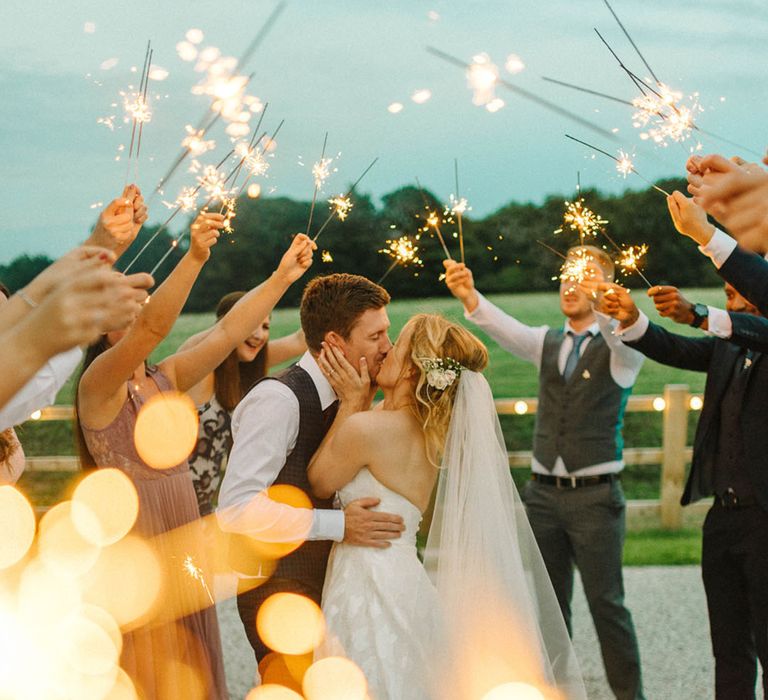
115, 383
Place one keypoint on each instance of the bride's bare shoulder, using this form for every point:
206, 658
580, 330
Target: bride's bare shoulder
381, 422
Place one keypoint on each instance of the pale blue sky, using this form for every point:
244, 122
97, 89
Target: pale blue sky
336, 66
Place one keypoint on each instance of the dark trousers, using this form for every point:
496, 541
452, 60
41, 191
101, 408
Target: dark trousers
734, 567
585, 527
249, 602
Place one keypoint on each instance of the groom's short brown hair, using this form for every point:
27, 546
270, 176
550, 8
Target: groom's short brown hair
335, 303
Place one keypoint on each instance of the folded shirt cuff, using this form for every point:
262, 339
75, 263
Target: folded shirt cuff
719, 323
327, 525
719, 248
635, 331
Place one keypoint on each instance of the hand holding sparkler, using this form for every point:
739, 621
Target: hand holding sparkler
115, 228
689, 218
203, 235
670, 303
461, 283
297, 259
616, 301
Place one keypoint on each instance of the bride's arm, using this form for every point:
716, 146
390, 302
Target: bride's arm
347, 447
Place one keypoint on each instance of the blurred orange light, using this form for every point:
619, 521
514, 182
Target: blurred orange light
105, 506
290, 623
514, 691
334, 678
272, 692
17, 523
166, 430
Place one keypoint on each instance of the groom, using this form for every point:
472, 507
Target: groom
276, 429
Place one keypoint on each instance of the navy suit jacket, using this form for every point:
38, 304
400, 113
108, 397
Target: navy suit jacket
717, 358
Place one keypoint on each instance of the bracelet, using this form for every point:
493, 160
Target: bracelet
25, 297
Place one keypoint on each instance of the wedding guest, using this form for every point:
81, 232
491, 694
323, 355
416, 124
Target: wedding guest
116, 382
217, 395
574, 500
728, 463
118, 225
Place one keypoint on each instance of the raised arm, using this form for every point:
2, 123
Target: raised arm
108, 373
190, 366
526, 342
120, 221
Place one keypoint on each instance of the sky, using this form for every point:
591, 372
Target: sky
336, 66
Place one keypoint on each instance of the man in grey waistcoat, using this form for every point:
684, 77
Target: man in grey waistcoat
574, 499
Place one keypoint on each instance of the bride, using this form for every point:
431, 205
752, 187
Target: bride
480, 619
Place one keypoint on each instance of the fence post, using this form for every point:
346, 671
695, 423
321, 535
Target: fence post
676, 399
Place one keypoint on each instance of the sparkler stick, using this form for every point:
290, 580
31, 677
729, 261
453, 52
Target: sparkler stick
639, 84
631, 41
550, 248
630, 257
317, 172
459, 211
144, 99
624, 162
432, 220
527, 95
197, 573
141, 87
335, 211
261, 34
169, 219
403, 252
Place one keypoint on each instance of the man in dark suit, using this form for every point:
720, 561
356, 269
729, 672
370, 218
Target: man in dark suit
728, 463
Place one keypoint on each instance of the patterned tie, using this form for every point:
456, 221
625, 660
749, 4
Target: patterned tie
573, 357
329, 414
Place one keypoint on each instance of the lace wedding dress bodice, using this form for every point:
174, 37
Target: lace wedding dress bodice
369, 601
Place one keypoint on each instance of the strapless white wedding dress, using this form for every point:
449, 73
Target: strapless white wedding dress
370, 602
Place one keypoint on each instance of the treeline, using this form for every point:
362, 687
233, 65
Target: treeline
501, 249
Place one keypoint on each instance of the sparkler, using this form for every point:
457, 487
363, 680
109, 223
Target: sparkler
403, 252
576, 267
211, 117
434, 221
525, 94
327, 257
335, 210
197, 573
258, 164
458, 207
320, 173
343, 205
580, 218
624, 163
630, 258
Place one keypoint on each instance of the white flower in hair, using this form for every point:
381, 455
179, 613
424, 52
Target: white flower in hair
441, 372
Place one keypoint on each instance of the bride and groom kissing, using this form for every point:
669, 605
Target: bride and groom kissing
480, 612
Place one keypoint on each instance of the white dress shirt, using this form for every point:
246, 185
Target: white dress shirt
265, 426
40, 391
527, 343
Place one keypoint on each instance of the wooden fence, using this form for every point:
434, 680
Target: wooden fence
673, 454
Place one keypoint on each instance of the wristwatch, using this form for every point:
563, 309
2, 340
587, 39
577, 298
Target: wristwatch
700, 314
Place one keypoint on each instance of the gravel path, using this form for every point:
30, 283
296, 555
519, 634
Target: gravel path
670, 615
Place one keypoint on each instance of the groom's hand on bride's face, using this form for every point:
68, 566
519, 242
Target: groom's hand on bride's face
369, 528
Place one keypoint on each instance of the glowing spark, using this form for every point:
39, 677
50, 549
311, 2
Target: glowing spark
341, 206
433, 15
514, 64
109, 121
229, 204
254, 190
186, 201
213, 182
664, 115
482, 75
108, 64
96, 205
576, 267
624, 164
157, 73
581, 219
136, 107
253, 159
326, 256
495, 105
197, 573
395, 108
194, 36
433, 220
421, 96
186, 50
195, 142
89, 27
321, 171
631, 257
403, 251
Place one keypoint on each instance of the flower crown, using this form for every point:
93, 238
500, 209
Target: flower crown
441, 371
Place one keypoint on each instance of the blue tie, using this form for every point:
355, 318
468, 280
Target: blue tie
573, 357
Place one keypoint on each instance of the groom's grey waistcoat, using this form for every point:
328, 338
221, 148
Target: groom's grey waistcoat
580, 419
308, 562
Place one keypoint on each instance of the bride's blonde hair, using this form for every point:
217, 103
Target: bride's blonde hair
434, 338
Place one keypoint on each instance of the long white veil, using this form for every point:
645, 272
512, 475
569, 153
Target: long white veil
500, 622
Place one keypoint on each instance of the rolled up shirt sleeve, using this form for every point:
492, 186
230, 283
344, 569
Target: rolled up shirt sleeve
626, 362
265, 427
719, 323
635, 331
40, 391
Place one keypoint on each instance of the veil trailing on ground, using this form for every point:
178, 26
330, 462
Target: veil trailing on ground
500, 622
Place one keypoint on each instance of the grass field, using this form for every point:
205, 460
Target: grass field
509, 377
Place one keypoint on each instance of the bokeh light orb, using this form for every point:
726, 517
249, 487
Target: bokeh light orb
514, 691
166, 429
334, 678
105, 506
271, 691
290, 623
17, 523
